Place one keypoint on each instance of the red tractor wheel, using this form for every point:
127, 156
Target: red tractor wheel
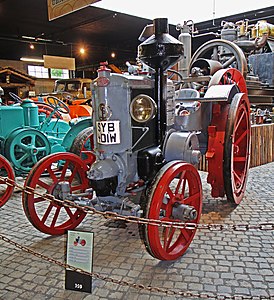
50, 216
175, 195
6, 171
228, 150
237, 148
83, 146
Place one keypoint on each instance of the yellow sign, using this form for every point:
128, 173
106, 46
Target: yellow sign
59, 62
58, 8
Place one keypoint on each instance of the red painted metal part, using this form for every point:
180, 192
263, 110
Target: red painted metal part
229, 76
177, 182
6, 171
50, 216
47, 110
218, 132
215, 149
237, 148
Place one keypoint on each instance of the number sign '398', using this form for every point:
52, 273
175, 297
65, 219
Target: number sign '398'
108, 132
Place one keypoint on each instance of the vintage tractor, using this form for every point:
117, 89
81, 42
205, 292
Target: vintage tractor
148, 139
75, 92
30, 131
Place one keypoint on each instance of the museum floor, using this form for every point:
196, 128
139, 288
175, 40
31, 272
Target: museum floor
217, 262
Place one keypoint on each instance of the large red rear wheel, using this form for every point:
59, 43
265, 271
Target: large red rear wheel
46, 176
237, 148
6, 171
175, 195
229, 133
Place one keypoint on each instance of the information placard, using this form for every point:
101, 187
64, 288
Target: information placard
79, 255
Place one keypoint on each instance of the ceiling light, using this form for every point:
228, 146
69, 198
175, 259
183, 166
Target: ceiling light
29, 59
113, 54
82, 50
31, 46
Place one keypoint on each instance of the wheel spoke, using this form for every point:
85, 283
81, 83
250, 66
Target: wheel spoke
34, 159
56, 214
186, 233
170, 193
240, 138
72, 175
22, 146
168, 236
38, 199
239, 159
23, 158
192, 200
79, 187
237, 176
43, 184
239, 120
215, 53
40, 149
64, 170
69, 212
52, 174
47, 212
182, 177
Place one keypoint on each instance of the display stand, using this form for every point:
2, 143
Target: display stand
79, 255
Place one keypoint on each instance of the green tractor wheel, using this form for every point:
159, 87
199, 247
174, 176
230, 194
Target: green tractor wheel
24, 147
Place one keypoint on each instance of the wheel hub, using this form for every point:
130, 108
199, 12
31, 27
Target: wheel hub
184, 212
33, 150
61, 190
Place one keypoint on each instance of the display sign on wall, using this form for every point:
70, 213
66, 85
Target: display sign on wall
58, 8
59, 62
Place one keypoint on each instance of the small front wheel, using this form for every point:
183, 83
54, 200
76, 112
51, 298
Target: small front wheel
175, 195
47, 177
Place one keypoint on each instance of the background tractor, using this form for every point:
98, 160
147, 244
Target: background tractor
30, 131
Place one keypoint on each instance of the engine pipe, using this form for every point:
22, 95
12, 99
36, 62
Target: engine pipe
160, 52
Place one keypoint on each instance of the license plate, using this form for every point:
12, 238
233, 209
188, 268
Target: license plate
108, 132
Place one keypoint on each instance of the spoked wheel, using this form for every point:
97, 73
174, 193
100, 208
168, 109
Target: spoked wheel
44, 108
227, 53
24, 147
6, 171
83, 146
49, 176
175, 195
237, 148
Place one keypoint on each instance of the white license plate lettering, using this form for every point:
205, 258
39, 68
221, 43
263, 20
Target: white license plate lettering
108, 132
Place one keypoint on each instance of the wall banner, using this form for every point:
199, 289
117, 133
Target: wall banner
58, 8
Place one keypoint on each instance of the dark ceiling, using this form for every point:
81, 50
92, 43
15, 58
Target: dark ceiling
99, 31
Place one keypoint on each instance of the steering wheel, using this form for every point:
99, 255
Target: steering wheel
16, 98
65, 96
57, 104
